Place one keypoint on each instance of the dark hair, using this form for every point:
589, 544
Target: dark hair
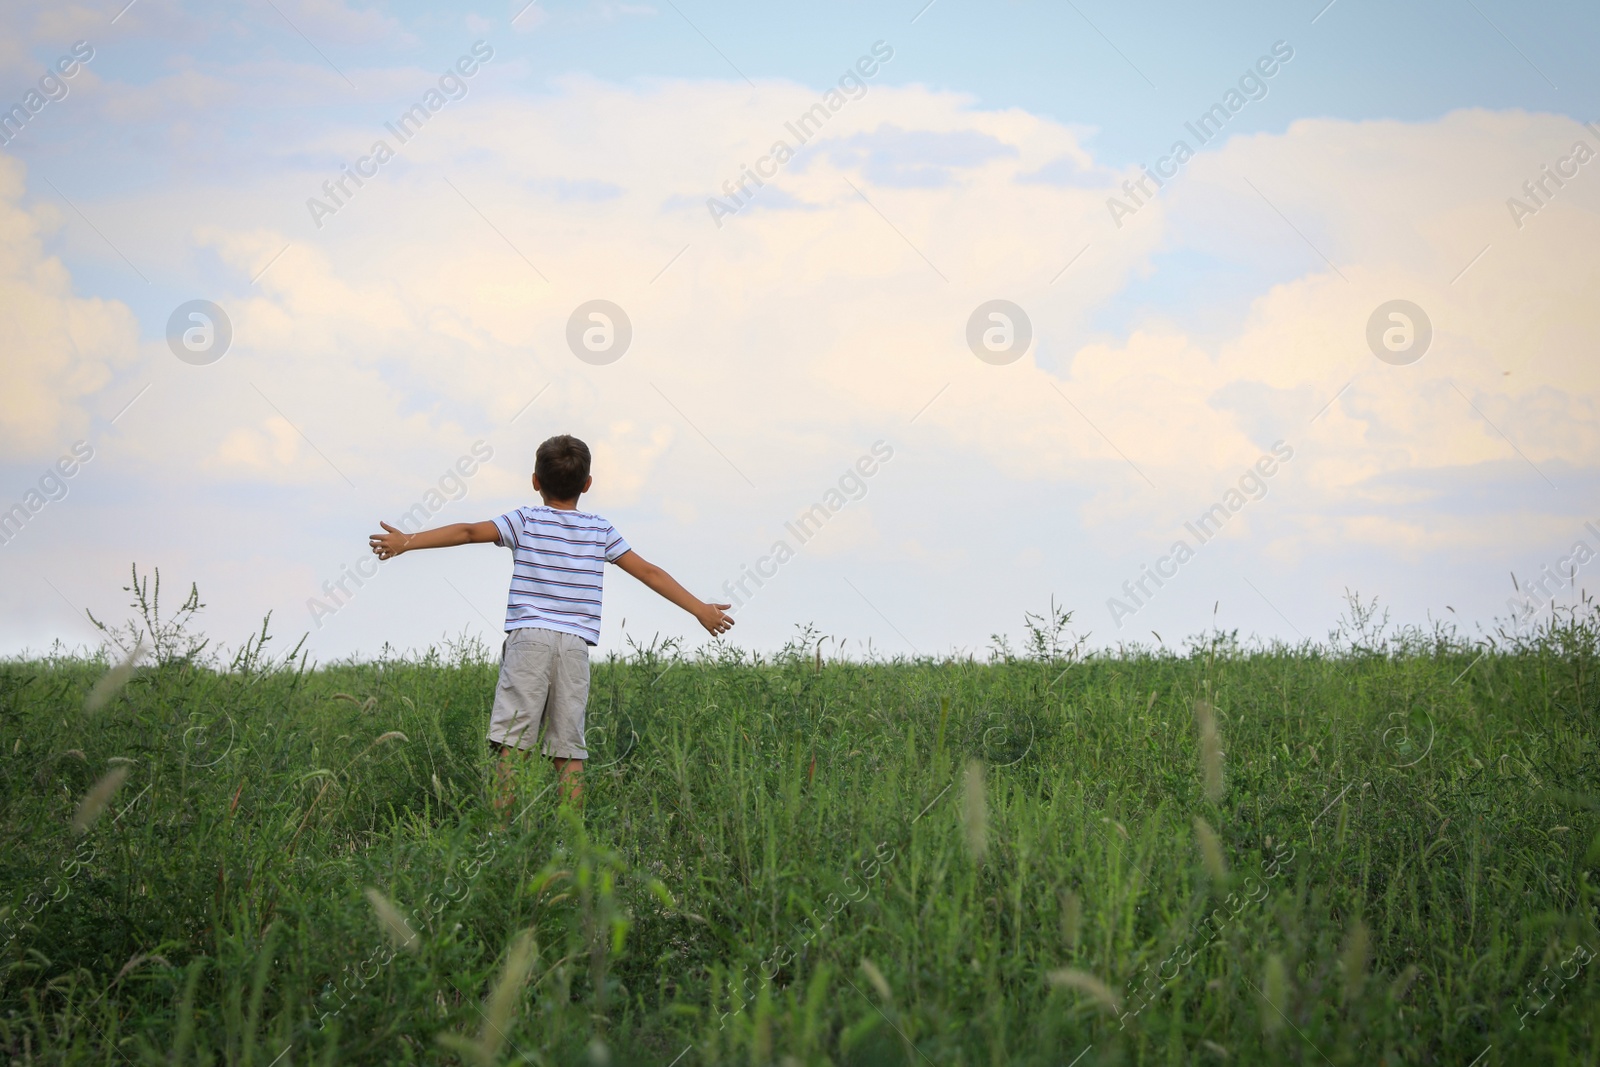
562, 466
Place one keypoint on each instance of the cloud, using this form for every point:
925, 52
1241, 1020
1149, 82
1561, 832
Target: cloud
805, 325
262, 450
1076, 170
61, 349
183, 95
589, 190
1226, 314
37, 27
895, 157
626, 456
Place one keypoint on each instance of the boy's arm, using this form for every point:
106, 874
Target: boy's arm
388, 545
708, 615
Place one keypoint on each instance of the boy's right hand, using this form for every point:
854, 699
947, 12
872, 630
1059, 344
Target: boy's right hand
711, 616
390, 544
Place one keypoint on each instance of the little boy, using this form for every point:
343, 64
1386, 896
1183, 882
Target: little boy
553, 608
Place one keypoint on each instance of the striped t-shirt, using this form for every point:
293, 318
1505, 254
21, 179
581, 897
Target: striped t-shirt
558, 564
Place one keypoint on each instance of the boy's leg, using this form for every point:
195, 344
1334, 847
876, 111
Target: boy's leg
505, 777
564, 721
570, 773
526, 667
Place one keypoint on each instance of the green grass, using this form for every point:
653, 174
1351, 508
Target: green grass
785, 861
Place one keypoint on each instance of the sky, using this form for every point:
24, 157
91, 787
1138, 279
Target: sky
899, 321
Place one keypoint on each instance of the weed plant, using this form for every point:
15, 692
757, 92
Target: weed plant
1379, 849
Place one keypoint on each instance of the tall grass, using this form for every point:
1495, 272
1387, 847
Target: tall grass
1379, 850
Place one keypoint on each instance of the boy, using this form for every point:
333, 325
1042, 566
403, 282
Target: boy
553, 608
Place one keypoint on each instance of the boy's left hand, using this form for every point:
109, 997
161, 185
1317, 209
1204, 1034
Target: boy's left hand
712, 617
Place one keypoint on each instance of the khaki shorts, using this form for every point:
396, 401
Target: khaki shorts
544, 680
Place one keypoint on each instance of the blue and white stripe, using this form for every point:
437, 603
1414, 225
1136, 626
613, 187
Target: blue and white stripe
558, 568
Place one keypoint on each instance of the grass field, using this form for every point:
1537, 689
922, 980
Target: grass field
1377, 851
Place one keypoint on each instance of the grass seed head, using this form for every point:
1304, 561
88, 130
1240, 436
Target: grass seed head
507, 992
394, 922
111, 683
1402, 984
98, 796
659, 890
1275, 989
875, 976
1210, 851
975, 812
1071, 919
1088, 984
503, 999
136, 960
1356, 947
1205, 718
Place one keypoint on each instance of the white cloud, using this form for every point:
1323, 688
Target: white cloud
61, 349
416, 319
261, 450
627, 456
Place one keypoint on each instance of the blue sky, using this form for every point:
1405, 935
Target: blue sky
1170, 352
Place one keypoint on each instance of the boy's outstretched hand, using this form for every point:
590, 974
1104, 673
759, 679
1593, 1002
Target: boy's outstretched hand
393, 542
390, 544
711, 616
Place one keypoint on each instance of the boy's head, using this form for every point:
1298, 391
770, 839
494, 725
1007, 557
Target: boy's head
561, 468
